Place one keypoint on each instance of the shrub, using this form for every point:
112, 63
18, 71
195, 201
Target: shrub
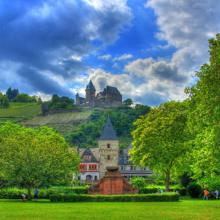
147, 190
15, 193
69, 190
165, 197
194, 190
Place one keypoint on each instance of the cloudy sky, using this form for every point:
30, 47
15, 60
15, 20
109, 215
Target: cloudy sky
148, 49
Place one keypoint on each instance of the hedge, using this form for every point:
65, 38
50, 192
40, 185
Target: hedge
15, 193
165, 197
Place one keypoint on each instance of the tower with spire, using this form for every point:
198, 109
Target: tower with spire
90, 94
108, 148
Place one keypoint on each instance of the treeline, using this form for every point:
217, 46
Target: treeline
13, 95
86, 134
57, 103
183, 138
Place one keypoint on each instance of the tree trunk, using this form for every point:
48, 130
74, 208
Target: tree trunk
167, 181
29, 193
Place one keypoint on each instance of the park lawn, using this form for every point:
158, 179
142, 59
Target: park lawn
45, 210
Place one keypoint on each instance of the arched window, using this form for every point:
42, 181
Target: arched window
108, 145
108, 157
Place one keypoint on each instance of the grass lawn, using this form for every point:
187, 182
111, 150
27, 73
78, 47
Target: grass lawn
183, 210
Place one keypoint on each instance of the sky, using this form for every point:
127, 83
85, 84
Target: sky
148, 49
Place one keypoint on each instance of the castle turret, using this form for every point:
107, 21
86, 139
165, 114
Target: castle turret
90, 94
108, 148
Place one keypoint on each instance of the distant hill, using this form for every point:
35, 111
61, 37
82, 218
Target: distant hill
82, 126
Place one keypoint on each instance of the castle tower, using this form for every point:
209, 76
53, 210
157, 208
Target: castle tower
90, 94
108, 148
77, 99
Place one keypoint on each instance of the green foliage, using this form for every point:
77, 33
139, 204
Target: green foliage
86, 134
194, 190
58, 103
204, 117
19, 112
128, 102
165, 197
69, 190
138, 182
11, 94
211, 183
25, 98
32, 158
4, 103
159, 139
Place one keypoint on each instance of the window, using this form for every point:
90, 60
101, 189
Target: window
108, 157
108, 145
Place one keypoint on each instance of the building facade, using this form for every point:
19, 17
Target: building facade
109, 97
94, 161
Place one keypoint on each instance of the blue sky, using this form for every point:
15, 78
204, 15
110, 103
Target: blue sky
148, 49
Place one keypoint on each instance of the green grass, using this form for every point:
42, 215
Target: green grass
19, 111
183, 210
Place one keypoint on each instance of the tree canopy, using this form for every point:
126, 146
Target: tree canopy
204, 117
159, 139
4, 103
33, 158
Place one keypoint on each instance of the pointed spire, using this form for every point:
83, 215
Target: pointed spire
90, 86
108, 132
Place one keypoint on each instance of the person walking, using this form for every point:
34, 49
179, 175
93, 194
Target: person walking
216, 194
206, 194
36, 191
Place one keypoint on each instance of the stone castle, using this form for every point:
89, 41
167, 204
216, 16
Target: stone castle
109, 97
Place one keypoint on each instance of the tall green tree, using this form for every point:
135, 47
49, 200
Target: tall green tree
159, 139
33, 158
4, 103
12, 93
204, 118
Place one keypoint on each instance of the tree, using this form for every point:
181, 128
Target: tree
32, 158
11, 94
159, 139
204, 117
25, 98
4, 103
128, 102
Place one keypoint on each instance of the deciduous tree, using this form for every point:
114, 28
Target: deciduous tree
159, 139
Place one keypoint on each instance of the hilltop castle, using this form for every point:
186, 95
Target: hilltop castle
109, 97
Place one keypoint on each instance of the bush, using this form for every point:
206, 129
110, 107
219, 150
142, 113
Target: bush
69, 190
147, 190
15, 193
194, 190
165, 197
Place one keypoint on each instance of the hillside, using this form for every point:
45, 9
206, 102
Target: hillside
81, 128
18, 112
62, 122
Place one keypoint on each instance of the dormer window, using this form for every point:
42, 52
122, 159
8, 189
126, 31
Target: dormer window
108, 145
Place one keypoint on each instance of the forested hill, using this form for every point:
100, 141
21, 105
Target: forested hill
81, 127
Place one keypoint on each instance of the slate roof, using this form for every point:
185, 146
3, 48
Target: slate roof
108, 132
90, 86
112, 90
88, 152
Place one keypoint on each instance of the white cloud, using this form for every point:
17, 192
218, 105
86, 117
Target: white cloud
125, 56
105, 57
